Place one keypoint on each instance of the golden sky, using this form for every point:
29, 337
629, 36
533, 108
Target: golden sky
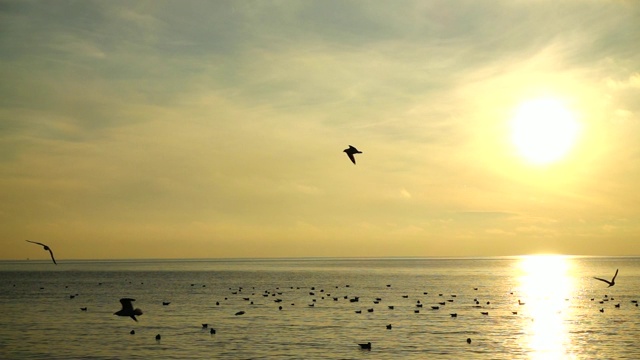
214, 129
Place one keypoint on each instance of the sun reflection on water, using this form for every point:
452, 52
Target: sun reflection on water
545, 286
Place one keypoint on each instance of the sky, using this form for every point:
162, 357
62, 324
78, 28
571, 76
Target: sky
216, 129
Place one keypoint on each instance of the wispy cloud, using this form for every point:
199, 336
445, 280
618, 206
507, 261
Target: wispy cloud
221, 123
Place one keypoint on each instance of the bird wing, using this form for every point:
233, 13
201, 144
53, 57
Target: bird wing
607, 281
351, 157
35, 242
126, 304
52, 258
614, 276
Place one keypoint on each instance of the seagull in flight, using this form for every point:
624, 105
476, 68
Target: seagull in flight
350, 152
46, 248
612, 282
127, 309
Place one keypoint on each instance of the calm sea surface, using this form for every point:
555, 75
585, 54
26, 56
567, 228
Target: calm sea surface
565, 313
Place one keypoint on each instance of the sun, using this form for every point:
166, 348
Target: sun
544, 130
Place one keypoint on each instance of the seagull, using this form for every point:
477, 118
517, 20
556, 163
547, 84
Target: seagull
127, 309
350, 152
47, 248
612, 282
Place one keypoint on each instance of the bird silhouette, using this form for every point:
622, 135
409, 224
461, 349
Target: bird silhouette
366, 346
350, 152
46, 248
612, 282
127, 309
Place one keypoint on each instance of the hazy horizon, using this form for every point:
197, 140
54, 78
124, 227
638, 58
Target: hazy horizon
326, 258
166, 129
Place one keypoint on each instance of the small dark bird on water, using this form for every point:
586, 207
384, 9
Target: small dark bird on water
165, 303
83, 309
240, 313
204, 326
468, 340
612, 282
46, 248
132, 332
366, 346
127, 309
213, 331
352, 151
389, 327
158, 337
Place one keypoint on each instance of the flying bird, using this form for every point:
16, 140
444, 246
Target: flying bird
46, 248
350, 152
127, 309
612, 282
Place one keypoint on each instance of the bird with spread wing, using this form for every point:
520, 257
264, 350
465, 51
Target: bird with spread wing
612, 282
46, 248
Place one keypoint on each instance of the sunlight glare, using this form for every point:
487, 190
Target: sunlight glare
544, 286
544, 130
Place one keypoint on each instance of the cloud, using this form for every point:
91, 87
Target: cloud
151, 117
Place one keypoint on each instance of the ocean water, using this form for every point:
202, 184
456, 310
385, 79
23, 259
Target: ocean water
537, 308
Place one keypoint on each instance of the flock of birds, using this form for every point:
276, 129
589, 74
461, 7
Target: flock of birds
128, 310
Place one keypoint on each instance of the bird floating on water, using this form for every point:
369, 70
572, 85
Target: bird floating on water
352, 151
46, 248
612, 282
127, 309
366, 346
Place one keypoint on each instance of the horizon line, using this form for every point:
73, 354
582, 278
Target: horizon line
441, 257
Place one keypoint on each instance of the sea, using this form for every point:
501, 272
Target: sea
523, 307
